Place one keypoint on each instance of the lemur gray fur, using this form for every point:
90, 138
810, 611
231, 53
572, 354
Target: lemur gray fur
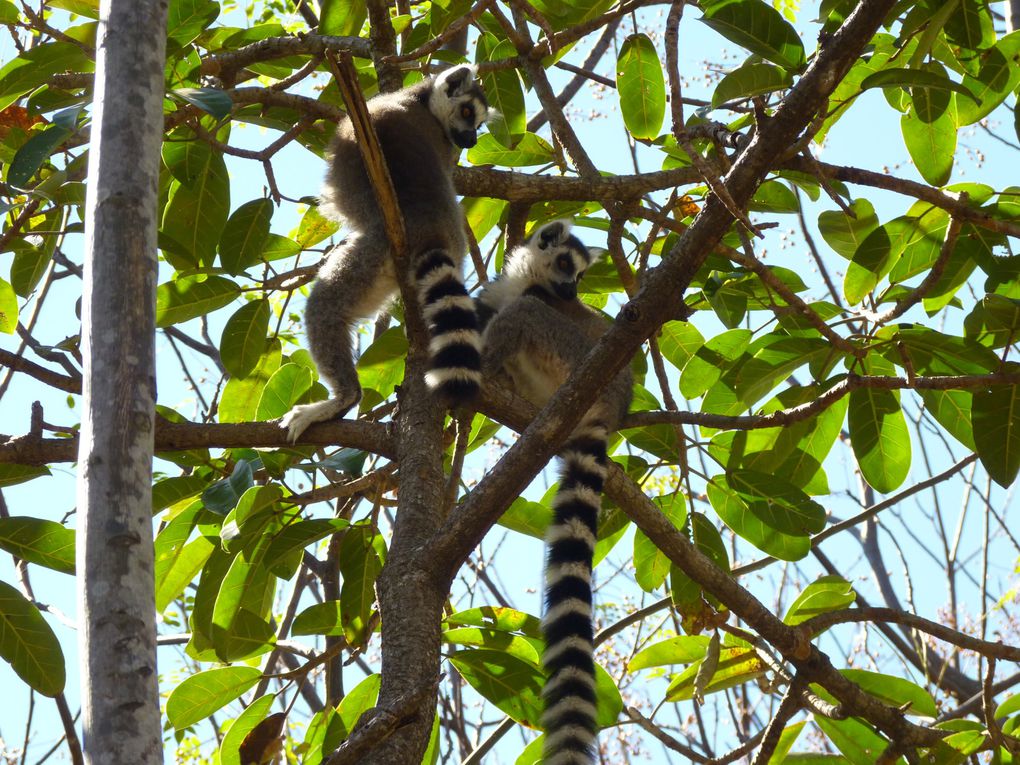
535, 332
421, 130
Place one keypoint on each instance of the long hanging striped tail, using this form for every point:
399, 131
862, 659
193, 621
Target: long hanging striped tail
455, 366
569, 695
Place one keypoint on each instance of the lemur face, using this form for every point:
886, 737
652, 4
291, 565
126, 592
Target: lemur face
559, 259
459, 103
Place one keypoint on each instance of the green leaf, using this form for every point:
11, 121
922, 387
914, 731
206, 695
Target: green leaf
197, 205
735, 666
778, 503
708, 363
511, 684
750, 80
244, 235
530, 150
244, 338
8, 12
229, 752
11, 474
641, 86
745, 523
187, 18
212, 101
685, 649
825, 594
8, 308
679, 341
170, 491
879, 436
952, 410
222, 496
1008, 707
759, 28
929, 132
995, 414
894, 691
288, 384
858, 742
177, 563
915, 79
998, 76
36, 66
651, 565
203, 693
29, 266
87, 8
188, 297
498, 618
381, 366
360, 565
46, 543
36, 150
525, 649
319, 619
970, 25
843, 233
503, 91
297, 536
241, 396
342, 17
314, 228
876, 255
28, 644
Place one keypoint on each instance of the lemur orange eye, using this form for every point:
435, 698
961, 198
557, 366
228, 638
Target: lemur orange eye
466, 113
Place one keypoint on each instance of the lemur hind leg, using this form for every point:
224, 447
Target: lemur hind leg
355, 283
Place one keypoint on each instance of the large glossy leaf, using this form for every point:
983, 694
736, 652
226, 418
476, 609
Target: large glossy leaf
996, 417
844, 233
36, 66
998, 76
8, 308
499, 618
297, 536
203, 693
241, 727
28, 644
641, 87
241, 396
735, 666
198, 203
679, 341
530, 150
752, 526
651, 565
879, 436
858, 742
510, 683
319, 619
503, 91
685, 649
244, 235
12, 474
915, 79
189, 297
929, 132
288, 384
187, 18
45, 543
759, 28
705, 367
825, 594
894, 691
518, 646
877, 254
777, 502
342, 17
244, 338
36, 150
751, 80
360, 565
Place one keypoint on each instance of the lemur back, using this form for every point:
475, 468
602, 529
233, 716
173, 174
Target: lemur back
535, 332
421, 130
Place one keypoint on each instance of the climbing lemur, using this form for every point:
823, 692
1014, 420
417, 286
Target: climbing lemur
421, 130
535, 332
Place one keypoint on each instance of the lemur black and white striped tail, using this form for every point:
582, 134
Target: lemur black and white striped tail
455, 366
569, 695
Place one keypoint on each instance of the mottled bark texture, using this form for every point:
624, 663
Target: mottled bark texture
117, 633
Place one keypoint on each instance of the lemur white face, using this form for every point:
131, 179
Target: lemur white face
458, 102
559, 259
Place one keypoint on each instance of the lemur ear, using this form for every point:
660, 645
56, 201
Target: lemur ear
556, 232
456, 80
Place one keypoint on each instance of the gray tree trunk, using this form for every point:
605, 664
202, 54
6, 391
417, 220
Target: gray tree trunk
1012, 11
117, 635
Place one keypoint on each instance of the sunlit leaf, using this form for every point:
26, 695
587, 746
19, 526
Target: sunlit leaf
45, 543
203, 693
28, 644
641, 86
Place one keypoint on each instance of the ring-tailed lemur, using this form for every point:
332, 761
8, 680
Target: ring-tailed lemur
535, 332
421, 130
